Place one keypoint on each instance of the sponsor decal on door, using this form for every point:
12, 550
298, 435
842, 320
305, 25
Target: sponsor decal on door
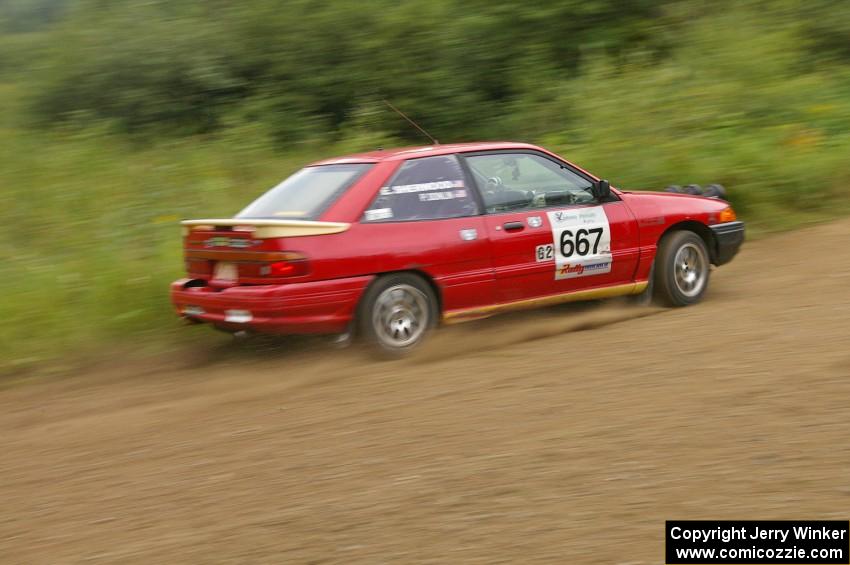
582, 242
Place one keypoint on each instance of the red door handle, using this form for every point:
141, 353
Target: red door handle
513, 226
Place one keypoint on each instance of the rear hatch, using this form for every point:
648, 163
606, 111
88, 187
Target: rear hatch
254, 246
222, 253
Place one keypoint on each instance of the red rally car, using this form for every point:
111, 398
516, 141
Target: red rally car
390, 243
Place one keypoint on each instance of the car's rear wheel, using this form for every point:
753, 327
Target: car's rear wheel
396, 314
682, 269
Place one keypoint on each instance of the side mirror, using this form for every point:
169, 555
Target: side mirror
601, 190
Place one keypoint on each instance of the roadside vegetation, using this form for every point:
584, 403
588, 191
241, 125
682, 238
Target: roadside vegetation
118, 118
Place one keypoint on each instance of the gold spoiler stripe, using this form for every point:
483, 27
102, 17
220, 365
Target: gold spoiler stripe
267, 229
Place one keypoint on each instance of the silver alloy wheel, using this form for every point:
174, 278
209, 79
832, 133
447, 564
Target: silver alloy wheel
400, 315
691, 269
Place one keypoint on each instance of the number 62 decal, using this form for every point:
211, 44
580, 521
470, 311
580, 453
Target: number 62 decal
544, 252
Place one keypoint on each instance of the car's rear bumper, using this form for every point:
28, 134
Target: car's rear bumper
728, 238
297, 308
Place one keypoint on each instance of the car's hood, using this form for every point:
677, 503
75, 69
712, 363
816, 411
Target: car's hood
668, 203
675, 199
656, 194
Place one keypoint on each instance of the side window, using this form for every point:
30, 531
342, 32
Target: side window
429, 188
515, 181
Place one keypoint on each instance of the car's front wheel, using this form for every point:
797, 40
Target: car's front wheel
396, 313
682, 269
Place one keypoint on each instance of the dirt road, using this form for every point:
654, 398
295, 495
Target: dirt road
564, 436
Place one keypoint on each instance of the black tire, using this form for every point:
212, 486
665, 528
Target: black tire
682, 269
715, 191
396, 314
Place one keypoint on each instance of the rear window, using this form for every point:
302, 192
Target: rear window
306, 194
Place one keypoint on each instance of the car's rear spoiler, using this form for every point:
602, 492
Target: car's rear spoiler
266, 229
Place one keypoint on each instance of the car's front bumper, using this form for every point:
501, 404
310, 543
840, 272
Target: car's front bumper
728, 238
297, 308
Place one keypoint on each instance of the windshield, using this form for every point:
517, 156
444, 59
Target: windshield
306, 194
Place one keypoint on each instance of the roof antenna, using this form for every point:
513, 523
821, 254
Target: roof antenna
414, 124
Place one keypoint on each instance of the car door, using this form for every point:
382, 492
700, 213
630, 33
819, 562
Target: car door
548, 235
427, 218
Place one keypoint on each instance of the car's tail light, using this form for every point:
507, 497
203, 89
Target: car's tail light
726, 215
293, 266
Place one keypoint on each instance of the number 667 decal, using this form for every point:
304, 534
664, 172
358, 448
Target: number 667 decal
581, 242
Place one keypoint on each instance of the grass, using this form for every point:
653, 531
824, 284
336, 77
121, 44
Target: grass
91, 235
